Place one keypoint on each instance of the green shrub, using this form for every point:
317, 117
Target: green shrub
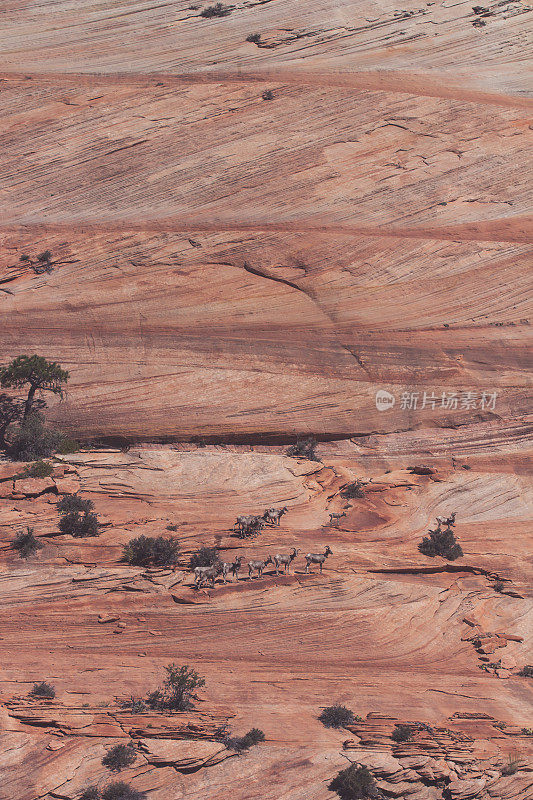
441, 543
122, 791
43, 690
133, 705
304, 448
119, 757
352, 491
204, 557
81, 526
336, 716
155, 551
402, 733
76, 516
527, 671
39, 469
67, 445
250, 739
90, 793
218, 10
354, 783
511, 767
178, 690
26, 544
69, 503
32, 440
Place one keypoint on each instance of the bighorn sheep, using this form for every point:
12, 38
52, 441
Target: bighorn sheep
258, 566
202, 574
250, 525
448, 521
317, 558
285, 560
333, 517
272, 516
232, 567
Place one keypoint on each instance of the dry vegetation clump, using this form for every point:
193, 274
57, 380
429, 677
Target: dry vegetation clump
151, 551
43, 691
119, 757
354, 783
26, 544
336, 716
241, 743
178, 690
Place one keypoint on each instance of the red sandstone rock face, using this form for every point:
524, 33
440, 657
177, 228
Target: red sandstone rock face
234, 267
384, 630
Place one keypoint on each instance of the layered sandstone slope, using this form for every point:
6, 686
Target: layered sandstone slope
229, 265
389, 632
435, 45
233, 333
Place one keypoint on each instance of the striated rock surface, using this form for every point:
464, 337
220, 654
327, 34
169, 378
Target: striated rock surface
392, 634
250, 239
230, 266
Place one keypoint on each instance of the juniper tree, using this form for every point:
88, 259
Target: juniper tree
35, 372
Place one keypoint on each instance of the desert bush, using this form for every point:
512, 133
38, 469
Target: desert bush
154, 551
401, 733
498, 586
336, 716
352, 491
354, 783
90, 793
268, 94
39, 469
67, 445
178, 690
32, 439
43, 690
119, 757
527, 731
250, 739
204, 557
133, 705
26, 544
11, 409
81, 526
254, 38
70, 503
304, 448
119, 790
172, 527
77, 517
218, 10
441, 543
511, 767
527, 671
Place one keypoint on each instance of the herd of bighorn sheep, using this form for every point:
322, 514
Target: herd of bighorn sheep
254, 523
